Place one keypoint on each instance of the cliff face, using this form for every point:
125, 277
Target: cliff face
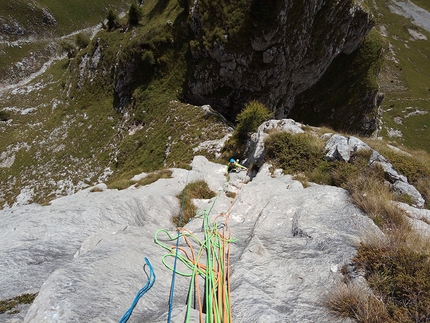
281, 52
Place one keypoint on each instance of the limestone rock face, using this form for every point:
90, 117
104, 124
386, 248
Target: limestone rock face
84, 253
275, 61
340, 148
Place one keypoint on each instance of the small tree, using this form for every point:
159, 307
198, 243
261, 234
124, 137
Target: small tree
134, 15
254, 114
112, 20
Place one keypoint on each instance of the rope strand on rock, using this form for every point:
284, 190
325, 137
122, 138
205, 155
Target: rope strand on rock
141, 292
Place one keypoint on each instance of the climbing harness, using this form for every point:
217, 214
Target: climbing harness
214, 249
141, 292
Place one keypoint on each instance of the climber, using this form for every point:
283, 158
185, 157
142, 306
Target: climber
232, 165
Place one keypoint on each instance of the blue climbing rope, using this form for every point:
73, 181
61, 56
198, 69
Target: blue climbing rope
141, 292
172, 286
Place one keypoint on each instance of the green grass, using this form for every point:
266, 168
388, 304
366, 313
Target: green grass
8, 305
405, 81
70, 17
399, 272
167, 130
422, 3
194, 190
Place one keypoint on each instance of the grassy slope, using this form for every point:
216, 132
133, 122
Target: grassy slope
72, 139
71, 16
405, 80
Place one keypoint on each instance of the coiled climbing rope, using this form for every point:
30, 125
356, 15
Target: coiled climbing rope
214, 306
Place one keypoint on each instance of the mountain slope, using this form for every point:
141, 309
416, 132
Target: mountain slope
112, 108
405, 75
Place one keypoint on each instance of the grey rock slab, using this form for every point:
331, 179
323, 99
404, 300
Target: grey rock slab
292, 244
337, 148
404, 188
84, 254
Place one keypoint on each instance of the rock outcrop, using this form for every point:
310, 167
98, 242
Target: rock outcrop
338, 148
278, 54
84, 253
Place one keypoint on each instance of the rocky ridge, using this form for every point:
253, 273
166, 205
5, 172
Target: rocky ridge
83, 254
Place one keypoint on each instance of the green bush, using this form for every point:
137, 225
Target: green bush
4, 115
82, 41
295, 153
69, 48
251, 117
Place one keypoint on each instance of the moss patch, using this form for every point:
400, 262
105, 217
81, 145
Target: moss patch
11, 303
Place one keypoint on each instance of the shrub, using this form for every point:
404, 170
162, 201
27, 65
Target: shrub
4, 115
183, 4
148, 58
295, 153
402, 275
251, 117
82, 41
69, 48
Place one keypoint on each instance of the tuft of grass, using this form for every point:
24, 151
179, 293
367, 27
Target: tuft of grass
153, 177
375, 198
96, 189
231, 195
399, 272
120, 184
10, 303
352, 300
194, 190
248, 121
294, 153
302, 178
